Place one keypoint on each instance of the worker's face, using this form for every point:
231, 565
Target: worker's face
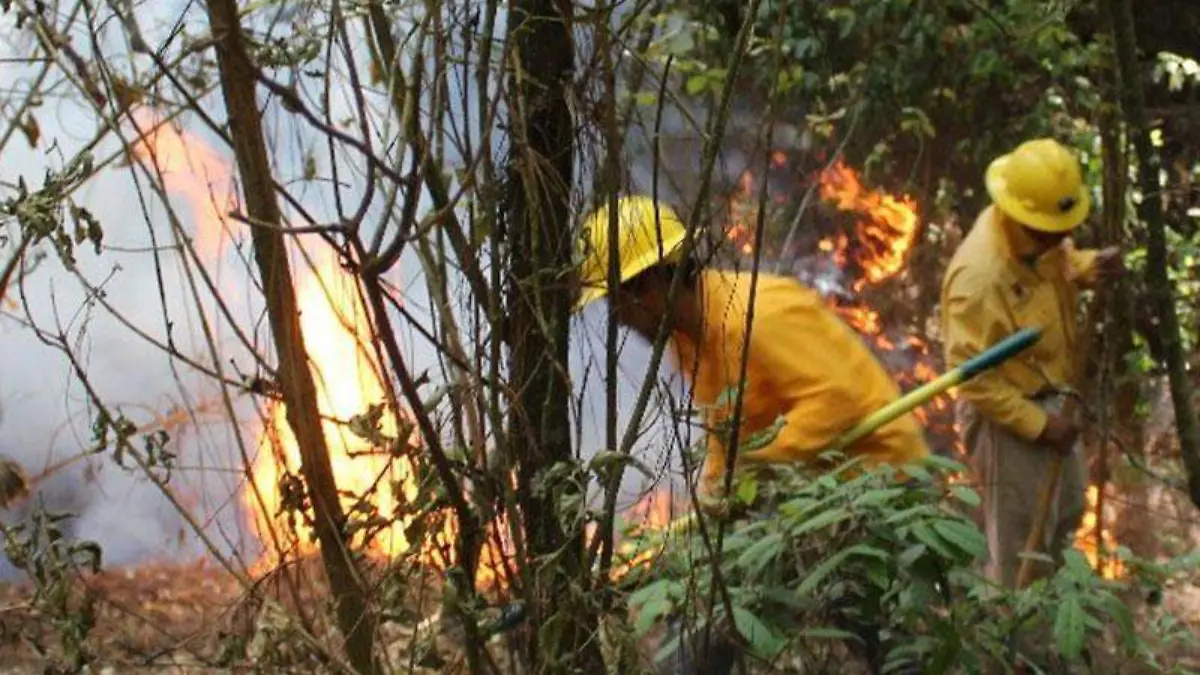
638, 305
1045, 240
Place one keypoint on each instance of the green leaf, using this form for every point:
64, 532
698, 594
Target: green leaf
912, 554
917, 471
1077, 563
820, 572
926, 534
763, 642
1068, 628
654, 591
827, 567
696, 84
877, 497
965, 495
649, 614
761, 552
1120, 614
910, 512
645, 98
747, 490
879, 574
827, 634
821, 520
966, 537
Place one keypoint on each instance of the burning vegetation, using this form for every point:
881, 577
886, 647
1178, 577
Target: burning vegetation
373, 446
375, 452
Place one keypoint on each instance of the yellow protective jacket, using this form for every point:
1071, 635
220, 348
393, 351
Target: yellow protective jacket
805, 366
994, 287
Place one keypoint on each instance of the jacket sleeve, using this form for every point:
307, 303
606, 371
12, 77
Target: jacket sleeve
973, 315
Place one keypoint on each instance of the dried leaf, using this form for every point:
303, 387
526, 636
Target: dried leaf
32, 130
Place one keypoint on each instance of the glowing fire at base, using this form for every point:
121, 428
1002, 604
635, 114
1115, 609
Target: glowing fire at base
372, 457
337, 335
1102, 559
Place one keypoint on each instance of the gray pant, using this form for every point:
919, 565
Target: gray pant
1009, 473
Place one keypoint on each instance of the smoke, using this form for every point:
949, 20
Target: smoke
47, 415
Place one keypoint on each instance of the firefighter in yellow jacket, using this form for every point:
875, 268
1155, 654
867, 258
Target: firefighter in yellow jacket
805, 365
1018, 268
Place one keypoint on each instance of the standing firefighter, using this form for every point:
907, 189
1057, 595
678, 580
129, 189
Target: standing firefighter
805, 367
1018, 269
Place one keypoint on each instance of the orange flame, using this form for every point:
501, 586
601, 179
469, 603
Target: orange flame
888, 231
376, 475
743, 212
1103, 561
196, 171
338, 337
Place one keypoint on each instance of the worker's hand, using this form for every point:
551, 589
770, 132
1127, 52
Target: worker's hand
1110, 264
1059, 433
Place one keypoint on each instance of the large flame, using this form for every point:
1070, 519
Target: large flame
337, 334
886, 231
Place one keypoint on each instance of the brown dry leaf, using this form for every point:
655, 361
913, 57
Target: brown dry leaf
14, 482
126, 94
32, 130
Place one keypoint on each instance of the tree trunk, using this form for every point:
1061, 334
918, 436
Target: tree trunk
1117, 388
238, 82
562, 628
1150, 212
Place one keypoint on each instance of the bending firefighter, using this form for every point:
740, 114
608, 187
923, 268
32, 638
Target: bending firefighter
805, 365
1017, 268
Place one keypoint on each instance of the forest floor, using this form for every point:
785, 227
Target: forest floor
187, 618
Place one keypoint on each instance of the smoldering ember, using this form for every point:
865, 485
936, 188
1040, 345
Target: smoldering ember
677, 338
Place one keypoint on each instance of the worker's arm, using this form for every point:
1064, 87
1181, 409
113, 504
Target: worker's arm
973, 320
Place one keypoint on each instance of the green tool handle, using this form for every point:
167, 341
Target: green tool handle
986, 360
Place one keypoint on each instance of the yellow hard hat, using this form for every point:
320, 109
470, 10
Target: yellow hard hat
1040, 185
644, 241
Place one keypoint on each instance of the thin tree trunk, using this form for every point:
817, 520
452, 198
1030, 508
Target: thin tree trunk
238, 82
1150, 212
539, 214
